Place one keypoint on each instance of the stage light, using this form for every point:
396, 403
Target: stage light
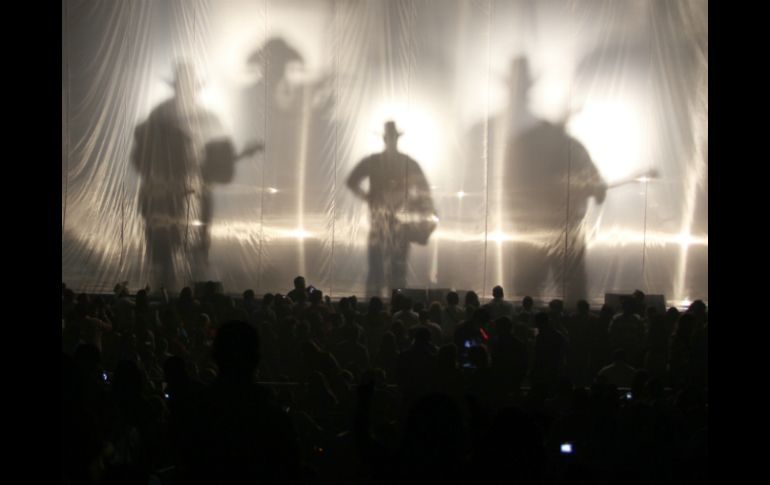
420, 137
685, 240
497, 236
685, 303
299, 234
613, 133
212, 98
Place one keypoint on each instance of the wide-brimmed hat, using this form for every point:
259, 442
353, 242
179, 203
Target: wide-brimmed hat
391, 130
275, 51
185, 74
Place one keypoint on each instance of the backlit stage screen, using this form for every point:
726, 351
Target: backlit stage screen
556, 148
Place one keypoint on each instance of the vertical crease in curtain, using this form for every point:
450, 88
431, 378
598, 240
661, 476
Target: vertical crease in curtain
485, 155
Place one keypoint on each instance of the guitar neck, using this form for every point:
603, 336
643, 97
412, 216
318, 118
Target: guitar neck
650, 174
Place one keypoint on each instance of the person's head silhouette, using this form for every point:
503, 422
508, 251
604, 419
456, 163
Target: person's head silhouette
274, 58
391, 136
186, 81
527, 303
375, 306
519, 81
299, 283
583, 307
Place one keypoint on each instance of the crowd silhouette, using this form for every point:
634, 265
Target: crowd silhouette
208, 388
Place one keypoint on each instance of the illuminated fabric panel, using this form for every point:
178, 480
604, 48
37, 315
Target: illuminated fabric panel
560, 146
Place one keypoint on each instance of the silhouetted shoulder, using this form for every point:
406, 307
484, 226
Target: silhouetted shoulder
364, 167
555, 133
241, 431
412, 163
544, 130
164, 112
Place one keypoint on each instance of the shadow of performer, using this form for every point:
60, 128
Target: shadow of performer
548, 178
401, 211
179, 151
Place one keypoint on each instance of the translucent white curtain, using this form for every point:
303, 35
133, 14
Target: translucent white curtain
519, 114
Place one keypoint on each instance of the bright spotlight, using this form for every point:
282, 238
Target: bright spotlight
685, 303
497, 236
421, 138
614, 134
460, 194
685, 239
300, 233
212, 98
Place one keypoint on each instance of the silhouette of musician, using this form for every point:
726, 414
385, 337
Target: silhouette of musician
179, 151
401, 211
298, 112
548, 178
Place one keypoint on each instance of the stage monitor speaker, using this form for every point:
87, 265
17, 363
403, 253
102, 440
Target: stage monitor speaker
437, 294
657, 301
199, 288
415, 294
426, 296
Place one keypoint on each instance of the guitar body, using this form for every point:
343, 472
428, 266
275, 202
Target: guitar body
419, 232
420, 221
219, 165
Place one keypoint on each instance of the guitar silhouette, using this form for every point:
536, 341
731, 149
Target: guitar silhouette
219, 165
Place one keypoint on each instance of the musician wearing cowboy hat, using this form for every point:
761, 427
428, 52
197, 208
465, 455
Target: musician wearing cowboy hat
171, 147
548, 178
397, 185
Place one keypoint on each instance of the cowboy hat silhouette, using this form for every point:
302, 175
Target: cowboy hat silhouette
185, 75
275, 52
390, 129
